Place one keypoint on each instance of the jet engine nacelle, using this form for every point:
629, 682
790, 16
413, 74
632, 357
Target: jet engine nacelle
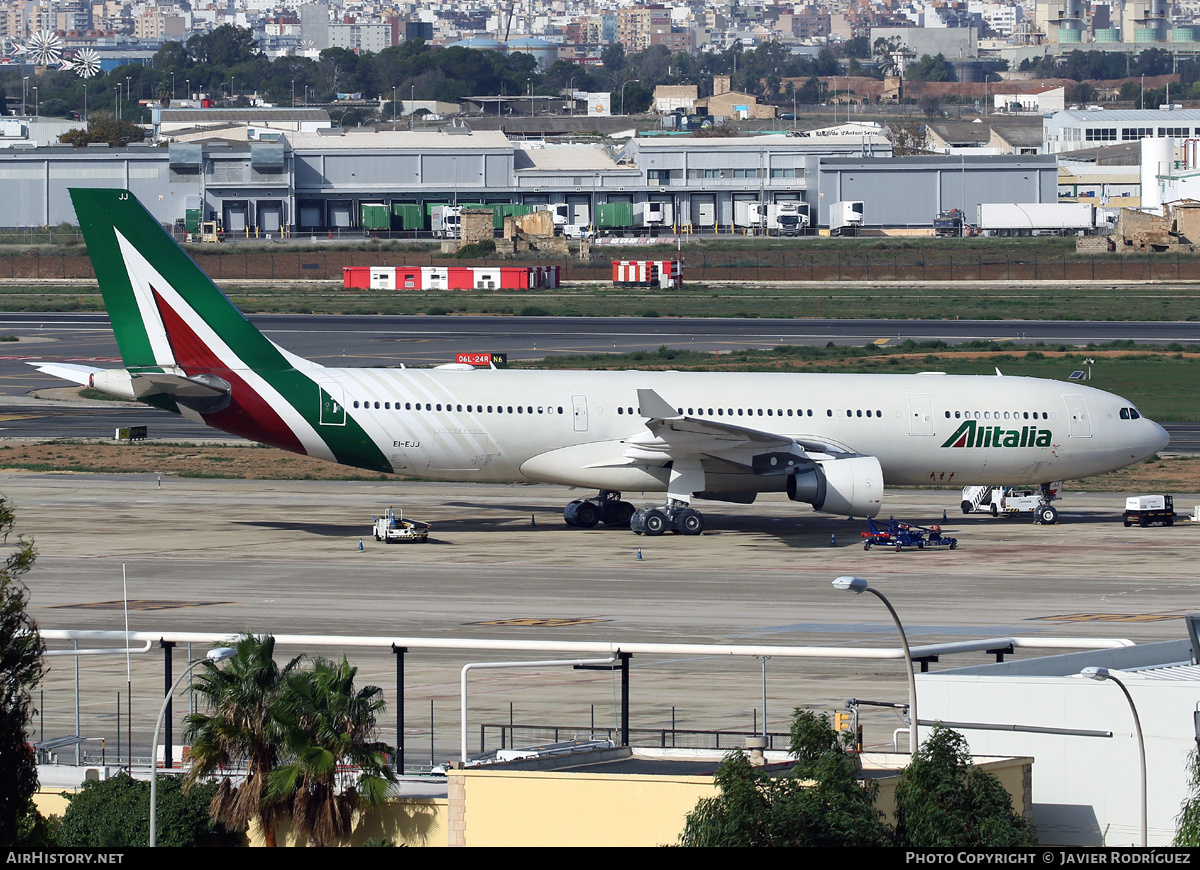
852, 487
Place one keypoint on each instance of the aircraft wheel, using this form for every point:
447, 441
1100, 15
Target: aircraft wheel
692, 522
654, 523
1047, 515
621, 514
967, 507
587, 515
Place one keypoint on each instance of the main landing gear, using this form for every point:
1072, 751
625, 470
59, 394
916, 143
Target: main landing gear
607, 508
675, 516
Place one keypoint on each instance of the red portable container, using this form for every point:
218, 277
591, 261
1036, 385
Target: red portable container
356, 277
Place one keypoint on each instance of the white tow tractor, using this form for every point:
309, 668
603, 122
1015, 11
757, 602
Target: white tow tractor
998, 500
395, 529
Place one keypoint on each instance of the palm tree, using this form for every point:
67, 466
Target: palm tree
336, 767
240, 732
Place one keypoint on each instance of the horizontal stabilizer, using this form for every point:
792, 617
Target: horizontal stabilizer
67, 371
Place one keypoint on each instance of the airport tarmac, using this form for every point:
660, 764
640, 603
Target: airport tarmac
282, 556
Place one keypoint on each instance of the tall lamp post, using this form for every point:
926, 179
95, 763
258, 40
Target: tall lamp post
1102, 674
214, 655
630, 82
24, 91
858, 586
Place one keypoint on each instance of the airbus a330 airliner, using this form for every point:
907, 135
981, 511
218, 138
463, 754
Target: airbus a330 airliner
831, 440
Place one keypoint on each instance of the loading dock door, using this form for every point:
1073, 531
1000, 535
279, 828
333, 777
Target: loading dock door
270, 217
235, 217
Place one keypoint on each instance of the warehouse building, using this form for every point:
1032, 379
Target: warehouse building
287, 182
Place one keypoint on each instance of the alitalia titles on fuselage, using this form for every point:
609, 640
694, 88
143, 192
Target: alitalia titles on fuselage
971, 434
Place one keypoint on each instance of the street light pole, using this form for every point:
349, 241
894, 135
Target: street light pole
630, 82
214, 655
858, 586
1101, 674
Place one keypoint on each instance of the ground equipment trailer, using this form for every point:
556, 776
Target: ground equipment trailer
605, 508
998, 500
901, 536
1147, 509
395, 529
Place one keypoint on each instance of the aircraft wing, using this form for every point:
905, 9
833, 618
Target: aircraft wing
676, 436
695, 447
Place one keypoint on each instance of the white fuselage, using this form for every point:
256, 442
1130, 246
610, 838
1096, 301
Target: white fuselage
570, 427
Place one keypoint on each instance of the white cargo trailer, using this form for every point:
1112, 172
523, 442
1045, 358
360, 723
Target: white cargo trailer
1036, 218
846, 217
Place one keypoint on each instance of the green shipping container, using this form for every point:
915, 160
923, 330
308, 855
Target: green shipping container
615, 216
376, 217
191, 220
407, 216
503, 210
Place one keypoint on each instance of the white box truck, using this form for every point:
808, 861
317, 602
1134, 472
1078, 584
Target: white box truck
789, 218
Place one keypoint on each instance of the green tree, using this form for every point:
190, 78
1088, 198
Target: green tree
907, 137
21, 668
240, 732
103, 127
930, 69
1187, 830
116, 813
819, 802
945, 800
329, 730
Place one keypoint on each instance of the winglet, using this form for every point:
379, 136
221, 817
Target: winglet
651, 404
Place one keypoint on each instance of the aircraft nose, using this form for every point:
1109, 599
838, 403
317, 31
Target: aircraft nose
1158, 438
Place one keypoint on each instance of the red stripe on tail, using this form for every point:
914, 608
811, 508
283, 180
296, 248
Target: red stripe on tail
248, 414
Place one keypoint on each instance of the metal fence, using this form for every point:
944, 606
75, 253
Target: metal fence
494, 736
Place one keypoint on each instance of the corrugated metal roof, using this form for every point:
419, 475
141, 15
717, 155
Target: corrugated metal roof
398, 140
1119, 116
1176, 672
179, 116
567, 157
